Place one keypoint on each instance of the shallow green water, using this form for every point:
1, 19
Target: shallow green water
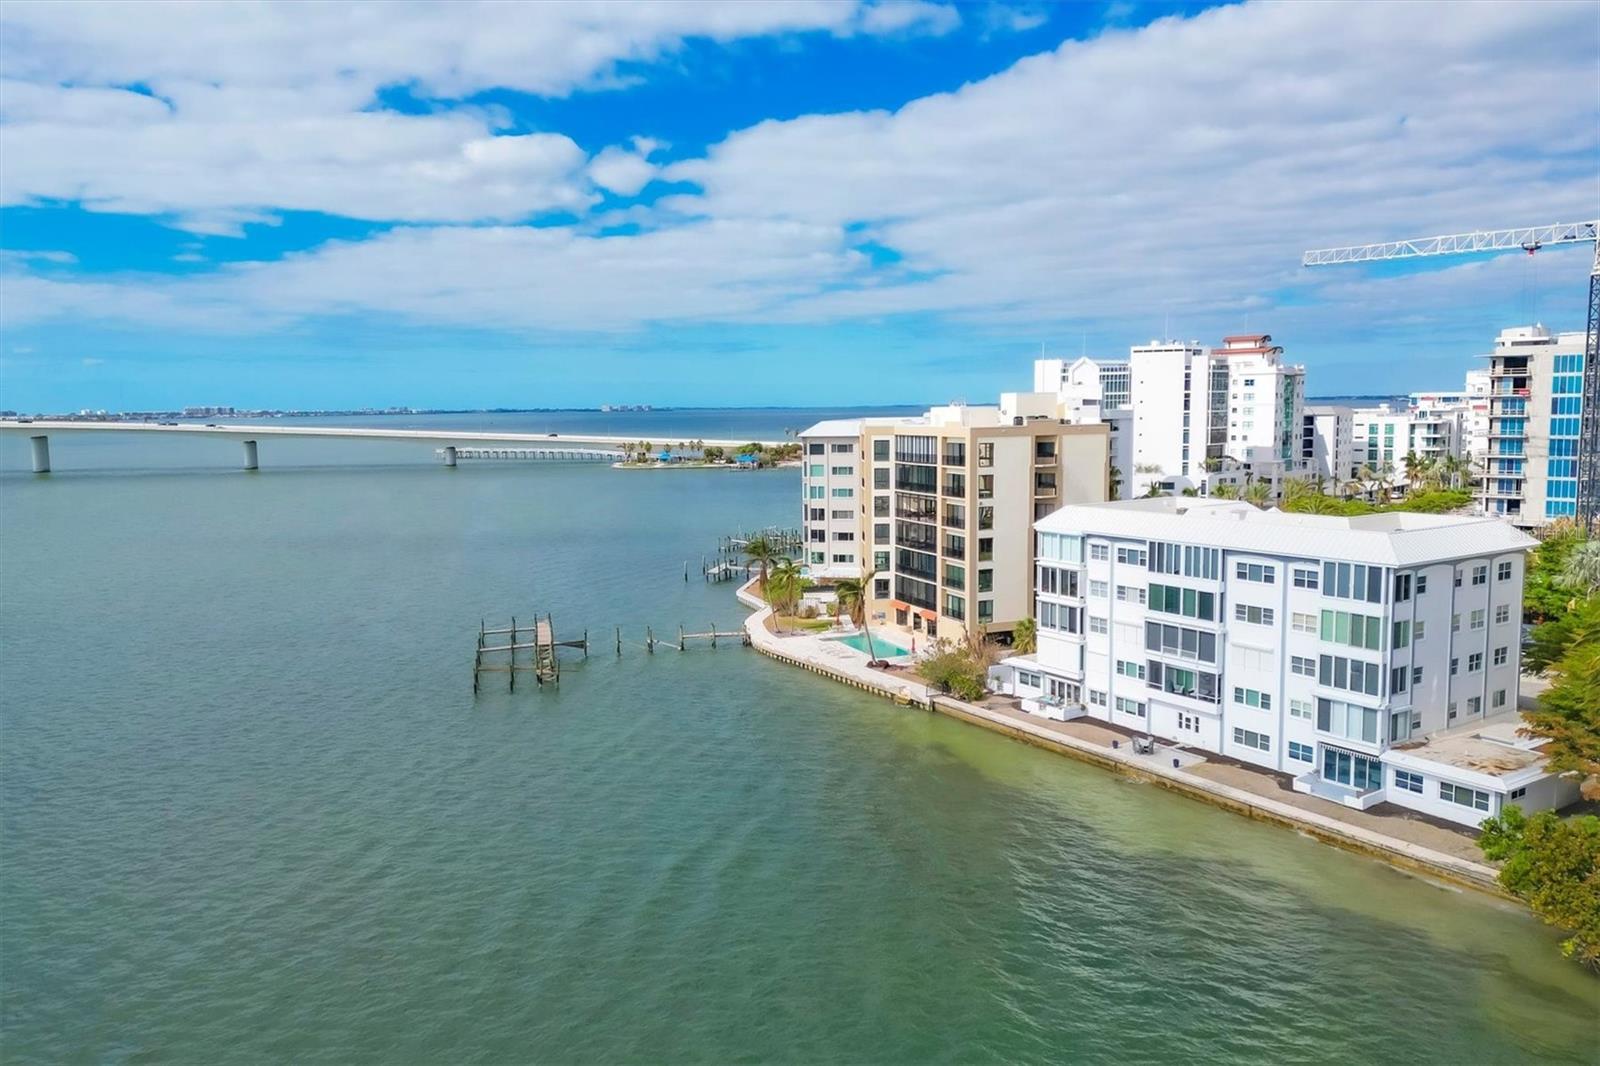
251, 810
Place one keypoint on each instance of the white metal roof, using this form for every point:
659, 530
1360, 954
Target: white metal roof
835, 427
1391, 539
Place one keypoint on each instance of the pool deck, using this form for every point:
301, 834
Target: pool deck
1401, 839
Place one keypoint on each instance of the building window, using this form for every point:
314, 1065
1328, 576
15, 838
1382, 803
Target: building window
1352, 675
1127, 706
1127, 669
1416, 675
880, 450
1402, 588
1099, 552
1480, 575
1500, 656
1301, 752
1305, 579
1300, 709
1128, 594
1475, 705
1099, 588
1467, 797
1408, 782
1502, 614
1302, 665
1517, 793
1477, 618
1422, 584
1353, 630
845, 471
1132, 556
1475, 662
1098, 625
843, 494
1254, 572
1251, 739
1397, 680
1353, 581
1250, 697
843, 557
1402, 634
1502, 572
1422, 628
1256, 616
1303, 623
816, 449
986, 610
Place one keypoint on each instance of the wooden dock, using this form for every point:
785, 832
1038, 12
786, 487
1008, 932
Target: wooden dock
540, 649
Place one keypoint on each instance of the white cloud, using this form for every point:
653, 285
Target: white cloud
1180, 168
901, 16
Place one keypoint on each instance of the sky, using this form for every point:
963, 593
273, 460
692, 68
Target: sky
788, 202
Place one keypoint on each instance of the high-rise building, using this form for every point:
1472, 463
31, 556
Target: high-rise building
1089, 391
1535, 407
1325, 444
945, 504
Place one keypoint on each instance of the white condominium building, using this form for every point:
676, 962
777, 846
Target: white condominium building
1371, 659
1206, 417
944, 506
1535, 407
830, 480
1089, 391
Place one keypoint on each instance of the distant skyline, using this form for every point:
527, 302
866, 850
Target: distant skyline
743, 204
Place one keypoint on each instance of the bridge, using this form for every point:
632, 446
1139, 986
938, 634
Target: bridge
453, 442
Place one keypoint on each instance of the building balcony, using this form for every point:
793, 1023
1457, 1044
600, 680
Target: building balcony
1312, 783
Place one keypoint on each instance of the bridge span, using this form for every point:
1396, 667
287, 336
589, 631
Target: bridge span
454, 443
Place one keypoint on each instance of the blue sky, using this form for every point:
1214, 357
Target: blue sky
787, 202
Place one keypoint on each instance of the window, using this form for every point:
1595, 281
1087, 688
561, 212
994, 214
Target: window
816, 492
1477, 618
1502, 614
1353, 630
1475, 662
880, 477
846, 513
843, 494
1250, 697
815, 469
1127, 706
1517, 793
880, 450
1467, 797
1500, 656
1190, 603
1475, 705
842, 557
1256, 616
1352, 675
880, 532
1353, 581
1303, 623
1455, 665
1422, 584
1347, 768
1252, 739
1416, 675
1029, 680
1409, 782
1422, 628
1097, 698
1305, 579
1189, 722
844, 449
1302, 665
1098, 625
880, 507
1480, 575
985, 580
1402, 634
843, 535
1254, 572
1130, 595
1458, 578
1499, 698
986, 610
1502, 572
1132, 556
1099, 588
1099, 552
1402, 588
844, 471
1301, 752
816, 449
1397, 680
1455, 623
1127, 669
1180, 641
1300, 709
819, 557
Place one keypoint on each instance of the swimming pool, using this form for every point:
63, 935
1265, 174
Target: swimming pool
886, 649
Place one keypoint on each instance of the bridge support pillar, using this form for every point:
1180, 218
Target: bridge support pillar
449, 455
250, 460
41, 454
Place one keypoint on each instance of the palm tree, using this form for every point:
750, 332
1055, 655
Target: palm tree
851, 596
1025, 636
1383, 485
1581, 571
1258, 493
1296, 487
1319, 503
1414, 467
1226, 491
784, 585
763, 553
1116, 483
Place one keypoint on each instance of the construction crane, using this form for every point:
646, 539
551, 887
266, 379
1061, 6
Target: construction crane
1529, 239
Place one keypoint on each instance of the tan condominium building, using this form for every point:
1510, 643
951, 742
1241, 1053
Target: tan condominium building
939, 508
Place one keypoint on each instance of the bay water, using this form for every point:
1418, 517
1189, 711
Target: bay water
251, 810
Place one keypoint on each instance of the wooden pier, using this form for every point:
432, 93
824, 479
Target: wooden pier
544, 662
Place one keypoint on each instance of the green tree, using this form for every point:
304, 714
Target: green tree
1553, 864
1025, 636
763, 553
1258, 493
851, 595
1568, 713
1581, 570
1226, 491
951, 667
1544, 595
1115, 483
784, 585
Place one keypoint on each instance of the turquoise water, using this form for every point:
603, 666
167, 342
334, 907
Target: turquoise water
250, 810
886, 649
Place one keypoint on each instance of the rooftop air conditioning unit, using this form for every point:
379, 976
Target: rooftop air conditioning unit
1016, 420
